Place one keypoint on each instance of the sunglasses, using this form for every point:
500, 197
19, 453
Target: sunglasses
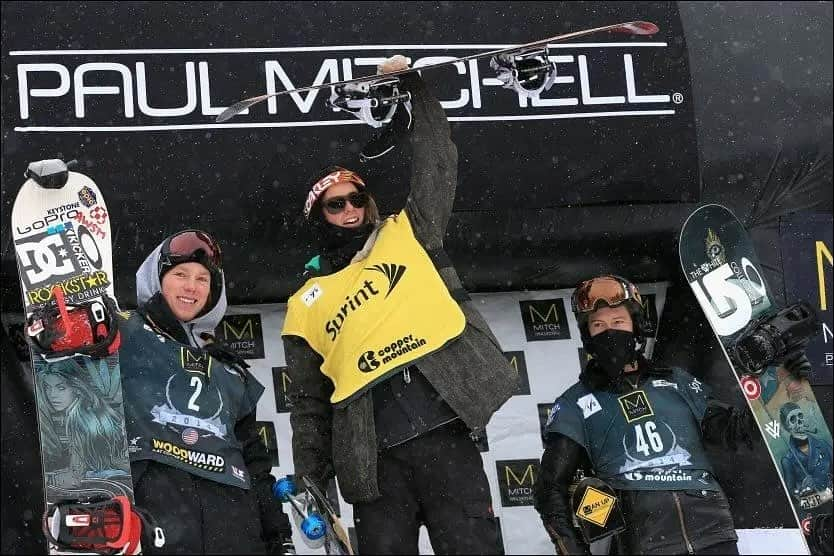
185, 245
607, 289
335, 205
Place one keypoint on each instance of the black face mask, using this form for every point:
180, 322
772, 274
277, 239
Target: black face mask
613, 350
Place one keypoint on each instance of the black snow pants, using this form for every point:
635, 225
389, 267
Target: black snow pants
436, 480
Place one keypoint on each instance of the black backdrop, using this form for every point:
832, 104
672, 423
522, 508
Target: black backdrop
541, 203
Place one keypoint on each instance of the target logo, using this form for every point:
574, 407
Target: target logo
751, 387
806, 525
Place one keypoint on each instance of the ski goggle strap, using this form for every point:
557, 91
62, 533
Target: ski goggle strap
324, 183
186, 244
611, 290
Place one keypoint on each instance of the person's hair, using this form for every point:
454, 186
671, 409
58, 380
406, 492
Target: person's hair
371, 209
94, 429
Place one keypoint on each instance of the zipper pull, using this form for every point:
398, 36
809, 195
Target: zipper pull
407, 376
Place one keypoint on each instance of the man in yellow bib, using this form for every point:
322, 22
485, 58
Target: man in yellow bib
394, 372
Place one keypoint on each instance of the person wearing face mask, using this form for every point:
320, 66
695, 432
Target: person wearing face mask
394, 372
640, 428
197, 463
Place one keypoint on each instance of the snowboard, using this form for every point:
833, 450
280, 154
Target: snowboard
524, 68
62, 240
721, 266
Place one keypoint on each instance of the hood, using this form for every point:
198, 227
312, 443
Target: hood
148, 284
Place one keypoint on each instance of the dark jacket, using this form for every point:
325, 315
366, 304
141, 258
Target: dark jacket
471, 374
199, 515
658, 522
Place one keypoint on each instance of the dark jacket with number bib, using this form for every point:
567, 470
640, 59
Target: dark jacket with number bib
198, 465
470, 373
645, 440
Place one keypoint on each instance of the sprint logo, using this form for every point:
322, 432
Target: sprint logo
393, 272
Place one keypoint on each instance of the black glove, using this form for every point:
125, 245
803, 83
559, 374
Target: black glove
224, 354
729, 426
564, 544
797, 364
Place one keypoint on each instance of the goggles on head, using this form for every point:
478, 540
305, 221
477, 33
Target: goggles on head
609, 289
187, 245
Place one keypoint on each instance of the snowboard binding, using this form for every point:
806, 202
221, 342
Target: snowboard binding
528, 73
102, 525
62, 330
776, 338
373, 102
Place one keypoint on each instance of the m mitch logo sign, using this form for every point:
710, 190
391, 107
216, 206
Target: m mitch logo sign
244, 334
159, 89
519, 363
516, 479
544, 319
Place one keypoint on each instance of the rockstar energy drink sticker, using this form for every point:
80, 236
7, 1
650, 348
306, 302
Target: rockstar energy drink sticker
596, 506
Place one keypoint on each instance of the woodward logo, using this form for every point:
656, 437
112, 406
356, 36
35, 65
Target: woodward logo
200, 460
516, 479
544, 319
244, 334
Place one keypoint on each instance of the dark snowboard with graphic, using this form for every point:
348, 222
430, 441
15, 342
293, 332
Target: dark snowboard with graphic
723, 270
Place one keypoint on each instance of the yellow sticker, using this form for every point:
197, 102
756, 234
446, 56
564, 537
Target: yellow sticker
596, 506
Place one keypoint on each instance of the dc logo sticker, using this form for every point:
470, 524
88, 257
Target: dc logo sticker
751, 387
45, 259
87, 197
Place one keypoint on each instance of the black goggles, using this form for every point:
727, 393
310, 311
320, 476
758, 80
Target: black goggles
191, 245
335, 205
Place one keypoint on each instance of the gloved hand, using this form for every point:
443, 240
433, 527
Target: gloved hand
224, 353
566, 543
797, 364
394, 63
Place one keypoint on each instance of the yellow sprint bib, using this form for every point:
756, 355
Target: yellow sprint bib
377, 315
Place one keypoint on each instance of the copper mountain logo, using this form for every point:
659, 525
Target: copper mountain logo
393, 272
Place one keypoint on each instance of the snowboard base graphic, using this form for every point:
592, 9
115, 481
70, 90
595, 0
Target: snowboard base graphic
62, 241
721, 266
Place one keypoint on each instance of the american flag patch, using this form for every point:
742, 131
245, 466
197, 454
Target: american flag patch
190, 436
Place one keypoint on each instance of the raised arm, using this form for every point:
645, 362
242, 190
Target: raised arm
434, 165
